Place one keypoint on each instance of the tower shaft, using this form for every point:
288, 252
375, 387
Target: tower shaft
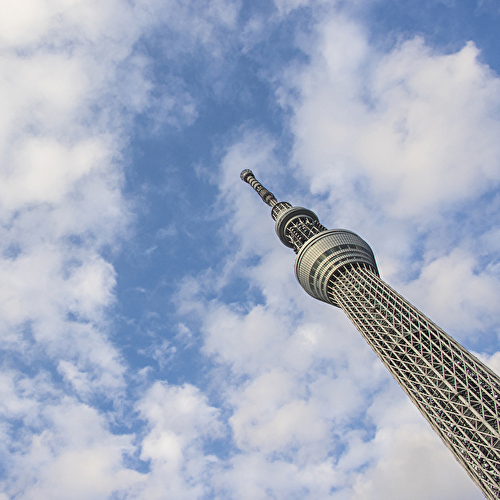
456, 393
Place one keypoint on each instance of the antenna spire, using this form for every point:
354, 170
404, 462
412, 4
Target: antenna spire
266, 195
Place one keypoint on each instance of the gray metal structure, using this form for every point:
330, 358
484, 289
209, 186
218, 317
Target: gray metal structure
456, 393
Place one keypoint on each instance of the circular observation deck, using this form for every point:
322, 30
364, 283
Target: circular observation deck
285, 216
326, 253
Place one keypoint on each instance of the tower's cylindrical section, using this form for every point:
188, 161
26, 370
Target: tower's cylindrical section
295, 225
326, 253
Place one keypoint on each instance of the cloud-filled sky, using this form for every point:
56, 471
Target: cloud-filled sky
154, 341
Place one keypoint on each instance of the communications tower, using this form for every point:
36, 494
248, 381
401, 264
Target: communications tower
456, 393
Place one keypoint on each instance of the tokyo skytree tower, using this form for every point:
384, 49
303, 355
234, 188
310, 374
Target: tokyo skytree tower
454, 391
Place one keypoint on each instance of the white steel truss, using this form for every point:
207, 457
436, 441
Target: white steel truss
454, 391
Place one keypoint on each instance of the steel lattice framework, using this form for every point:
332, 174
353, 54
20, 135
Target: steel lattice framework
456, 393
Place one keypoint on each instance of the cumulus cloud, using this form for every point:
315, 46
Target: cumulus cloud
73, 78
401, 451
180, 423
417, 125
61, 183
62, 446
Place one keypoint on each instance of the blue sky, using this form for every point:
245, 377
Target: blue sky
154, 341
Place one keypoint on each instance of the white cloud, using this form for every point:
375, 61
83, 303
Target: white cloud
71, 82
412, 460
407, 456
270, 417
44, 170
72, 79
403, 144
475, 293
61, 184
180, 422
419, 126
64, 448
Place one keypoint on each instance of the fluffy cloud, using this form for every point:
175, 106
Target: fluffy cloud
72, 81
180, 423
61, 183
401, 451
62, 447
418, 126
403, 144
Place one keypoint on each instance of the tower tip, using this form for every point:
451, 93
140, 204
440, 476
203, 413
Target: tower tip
268, 197
245, 174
